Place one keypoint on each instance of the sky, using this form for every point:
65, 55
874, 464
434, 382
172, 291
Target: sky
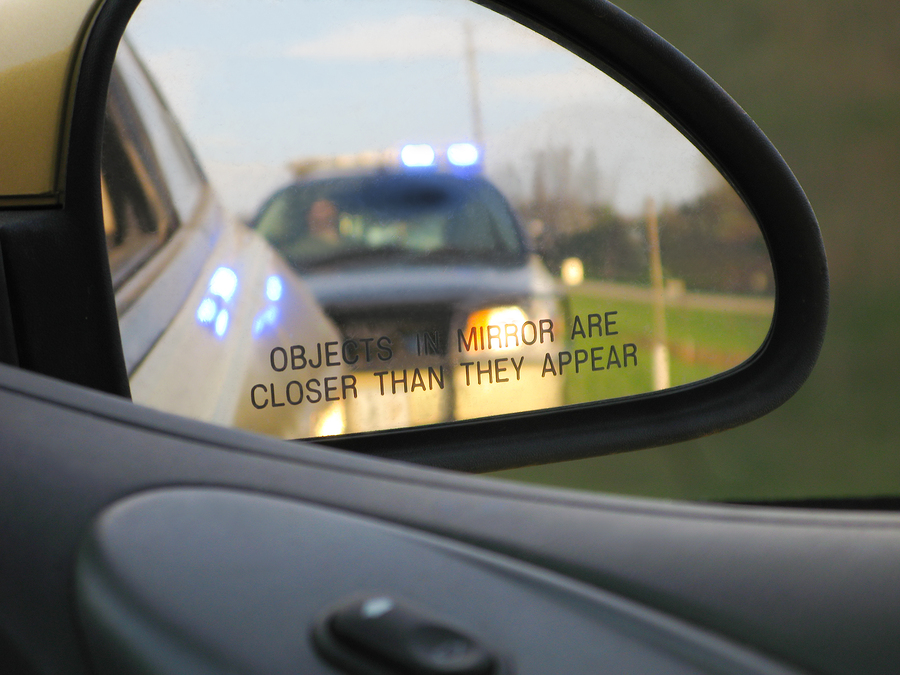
257, 84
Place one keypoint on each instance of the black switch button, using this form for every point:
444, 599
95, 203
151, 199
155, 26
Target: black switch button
392, 637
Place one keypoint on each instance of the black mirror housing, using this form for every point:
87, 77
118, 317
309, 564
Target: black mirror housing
653, 69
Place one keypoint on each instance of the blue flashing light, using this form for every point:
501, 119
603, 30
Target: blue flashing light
222, 323
417, 155
463, 154
223, 283
274, 288
265, 319
206, 312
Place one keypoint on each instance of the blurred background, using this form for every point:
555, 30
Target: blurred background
822, 80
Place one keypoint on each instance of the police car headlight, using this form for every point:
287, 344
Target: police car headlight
500, 328
332, 423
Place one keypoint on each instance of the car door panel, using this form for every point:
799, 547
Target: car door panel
792, 584
215, 588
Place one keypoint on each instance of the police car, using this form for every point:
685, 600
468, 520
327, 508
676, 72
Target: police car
423, 265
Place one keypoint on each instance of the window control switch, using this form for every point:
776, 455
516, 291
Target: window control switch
379, 634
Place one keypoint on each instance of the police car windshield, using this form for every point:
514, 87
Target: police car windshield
391, 218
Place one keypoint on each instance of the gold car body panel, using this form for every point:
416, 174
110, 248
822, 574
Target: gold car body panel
41, 43
227, 378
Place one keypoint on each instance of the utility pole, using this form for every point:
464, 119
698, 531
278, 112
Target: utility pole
475, 99
661, 377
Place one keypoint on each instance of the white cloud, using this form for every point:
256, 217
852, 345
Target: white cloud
418, 36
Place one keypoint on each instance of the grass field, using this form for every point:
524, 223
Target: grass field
702, 343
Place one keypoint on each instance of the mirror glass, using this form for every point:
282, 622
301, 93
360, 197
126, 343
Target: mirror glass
436, 214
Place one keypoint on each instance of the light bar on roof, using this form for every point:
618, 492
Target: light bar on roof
462, 154
417, 155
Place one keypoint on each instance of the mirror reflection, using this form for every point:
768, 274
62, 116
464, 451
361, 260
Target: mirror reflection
443, 215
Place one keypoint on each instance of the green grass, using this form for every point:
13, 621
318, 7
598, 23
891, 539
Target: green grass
702, 343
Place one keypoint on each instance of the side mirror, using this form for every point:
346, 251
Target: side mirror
473, 285
640, 60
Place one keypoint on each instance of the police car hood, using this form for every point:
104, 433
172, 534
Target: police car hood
406, 284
